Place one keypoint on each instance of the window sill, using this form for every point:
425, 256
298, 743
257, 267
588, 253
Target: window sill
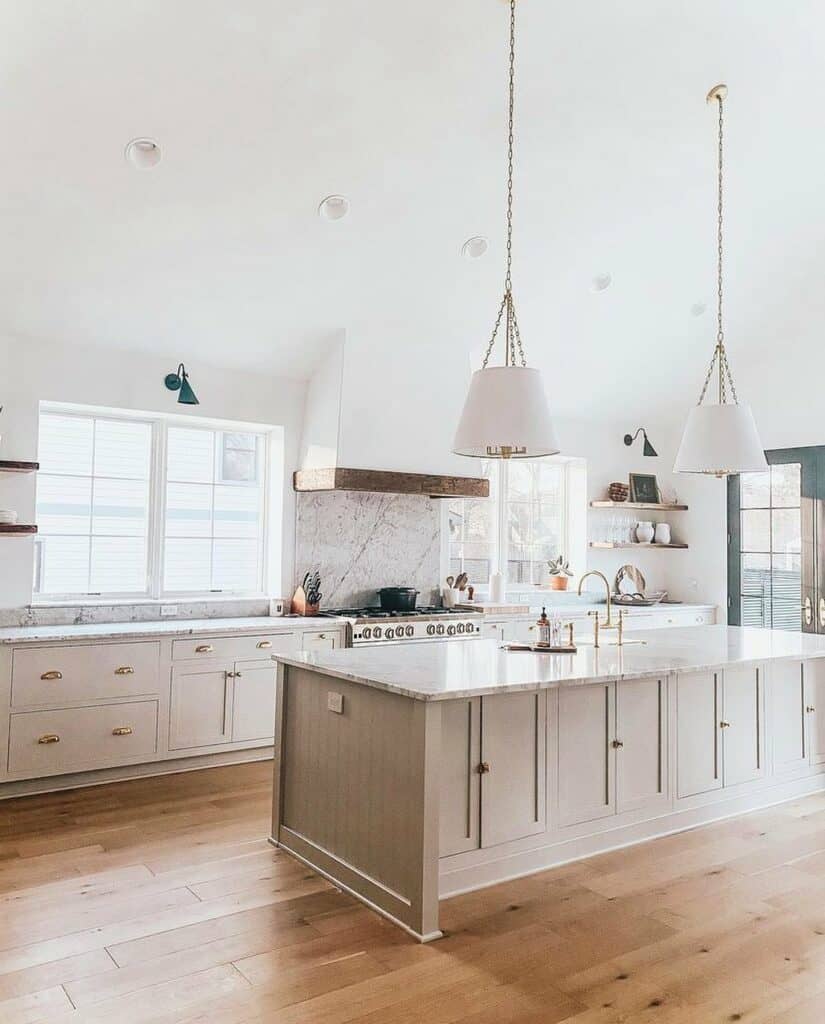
113, 602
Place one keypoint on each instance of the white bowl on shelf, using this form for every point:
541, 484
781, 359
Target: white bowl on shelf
7, 517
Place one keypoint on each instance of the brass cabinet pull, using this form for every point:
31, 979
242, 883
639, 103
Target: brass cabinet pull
122, 730
204, 649
49, 738
484, 768
263, 644
124, 670
617, 744
322, 636
233, 675
810, 709
52, 675
724, 725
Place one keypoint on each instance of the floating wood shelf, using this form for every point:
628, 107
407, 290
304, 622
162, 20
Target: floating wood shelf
654, 507
381, 481
16, 529
631, 544
8, 466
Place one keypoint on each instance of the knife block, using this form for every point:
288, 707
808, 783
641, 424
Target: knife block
300, 606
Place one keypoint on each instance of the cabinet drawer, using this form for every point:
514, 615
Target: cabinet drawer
230, 648
74, 739
321, 640
62, 675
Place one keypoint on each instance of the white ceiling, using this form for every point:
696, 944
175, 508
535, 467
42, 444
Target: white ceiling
263, 107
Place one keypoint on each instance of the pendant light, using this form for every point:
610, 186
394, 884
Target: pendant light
505, 415
720, 439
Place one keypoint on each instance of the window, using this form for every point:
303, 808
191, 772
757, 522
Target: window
141, 506
525, 522
770, 547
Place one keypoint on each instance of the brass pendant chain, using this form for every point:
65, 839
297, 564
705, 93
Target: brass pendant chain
720, 356
507, 309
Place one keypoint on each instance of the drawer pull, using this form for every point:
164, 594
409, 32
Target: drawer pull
724, 725
263, 645
49, 738
484, 768
52, 675
124, 670
204, 649
810, 709
233, 675
322, 636
122, 730
617, 744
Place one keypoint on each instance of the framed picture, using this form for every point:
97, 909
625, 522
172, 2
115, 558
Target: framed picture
644, 488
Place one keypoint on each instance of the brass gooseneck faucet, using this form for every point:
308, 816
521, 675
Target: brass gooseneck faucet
608, 622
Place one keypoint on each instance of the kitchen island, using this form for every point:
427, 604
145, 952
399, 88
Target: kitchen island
410, 773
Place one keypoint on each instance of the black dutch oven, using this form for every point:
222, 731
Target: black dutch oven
398, 599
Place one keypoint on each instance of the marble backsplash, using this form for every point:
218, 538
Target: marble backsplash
92, 614
360, 541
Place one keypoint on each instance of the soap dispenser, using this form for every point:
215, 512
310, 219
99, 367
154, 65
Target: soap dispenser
543, 628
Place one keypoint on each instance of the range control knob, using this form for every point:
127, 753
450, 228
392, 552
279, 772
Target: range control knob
389, 633
450, 630
367, 633
430, 629
409, 631
439, 629
377, 632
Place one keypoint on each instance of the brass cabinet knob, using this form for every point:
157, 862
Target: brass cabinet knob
263, 645
484, 768
724, 725
52, 675
49, 738
122, 730
204, 649
810, 709
617, 744
322, 636
124, 670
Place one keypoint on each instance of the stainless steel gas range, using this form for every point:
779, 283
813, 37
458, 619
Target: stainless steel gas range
373, 626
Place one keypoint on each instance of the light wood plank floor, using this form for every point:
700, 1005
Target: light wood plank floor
160, 901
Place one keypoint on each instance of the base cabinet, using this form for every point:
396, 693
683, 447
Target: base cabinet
698, 733
815, 697
789, 716
642, 744
493, 770
253, 701
201, 708
743, 746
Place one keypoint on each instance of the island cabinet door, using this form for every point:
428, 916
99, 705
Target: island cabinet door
641, 744
586, 758
460, 810
698, 742
815, 696
253, 701
789, 718
743, 725
513, 766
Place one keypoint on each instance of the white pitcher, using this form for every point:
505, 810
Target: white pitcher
644, 533
663, 533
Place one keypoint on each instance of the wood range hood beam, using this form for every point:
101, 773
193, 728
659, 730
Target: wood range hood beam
387, 482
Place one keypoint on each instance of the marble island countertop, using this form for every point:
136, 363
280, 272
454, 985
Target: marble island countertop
450, 670
163, 628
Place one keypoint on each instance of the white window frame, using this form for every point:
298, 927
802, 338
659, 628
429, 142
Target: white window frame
160, 424
499, 558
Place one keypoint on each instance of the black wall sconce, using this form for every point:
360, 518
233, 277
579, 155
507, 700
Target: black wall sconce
180, 382
648, 447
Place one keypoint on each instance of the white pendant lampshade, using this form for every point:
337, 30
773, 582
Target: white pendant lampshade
506, 416
720, 439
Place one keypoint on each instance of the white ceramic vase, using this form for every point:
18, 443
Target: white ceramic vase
644, 533
662, 533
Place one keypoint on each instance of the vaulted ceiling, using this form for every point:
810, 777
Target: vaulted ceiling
262, 108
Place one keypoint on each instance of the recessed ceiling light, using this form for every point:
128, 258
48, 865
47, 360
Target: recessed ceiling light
143, 153
698, 308
601, 282
474, 248
334, 207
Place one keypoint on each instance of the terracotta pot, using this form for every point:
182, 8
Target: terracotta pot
559, 582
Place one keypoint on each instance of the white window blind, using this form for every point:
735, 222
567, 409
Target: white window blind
93, 504
214, 511
132, 506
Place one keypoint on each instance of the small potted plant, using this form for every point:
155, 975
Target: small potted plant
559, 573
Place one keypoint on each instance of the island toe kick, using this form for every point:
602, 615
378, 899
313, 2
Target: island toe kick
402, 801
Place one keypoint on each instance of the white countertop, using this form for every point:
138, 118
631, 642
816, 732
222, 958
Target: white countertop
446, 671
163, 628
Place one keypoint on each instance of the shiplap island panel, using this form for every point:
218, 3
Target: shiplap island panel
410, 773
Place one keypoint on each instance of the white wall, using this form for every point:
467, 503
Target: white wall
322, 416
33, 372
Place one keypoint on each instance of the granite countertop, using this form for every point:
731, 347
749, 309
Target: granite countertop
163, 628
446, 671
